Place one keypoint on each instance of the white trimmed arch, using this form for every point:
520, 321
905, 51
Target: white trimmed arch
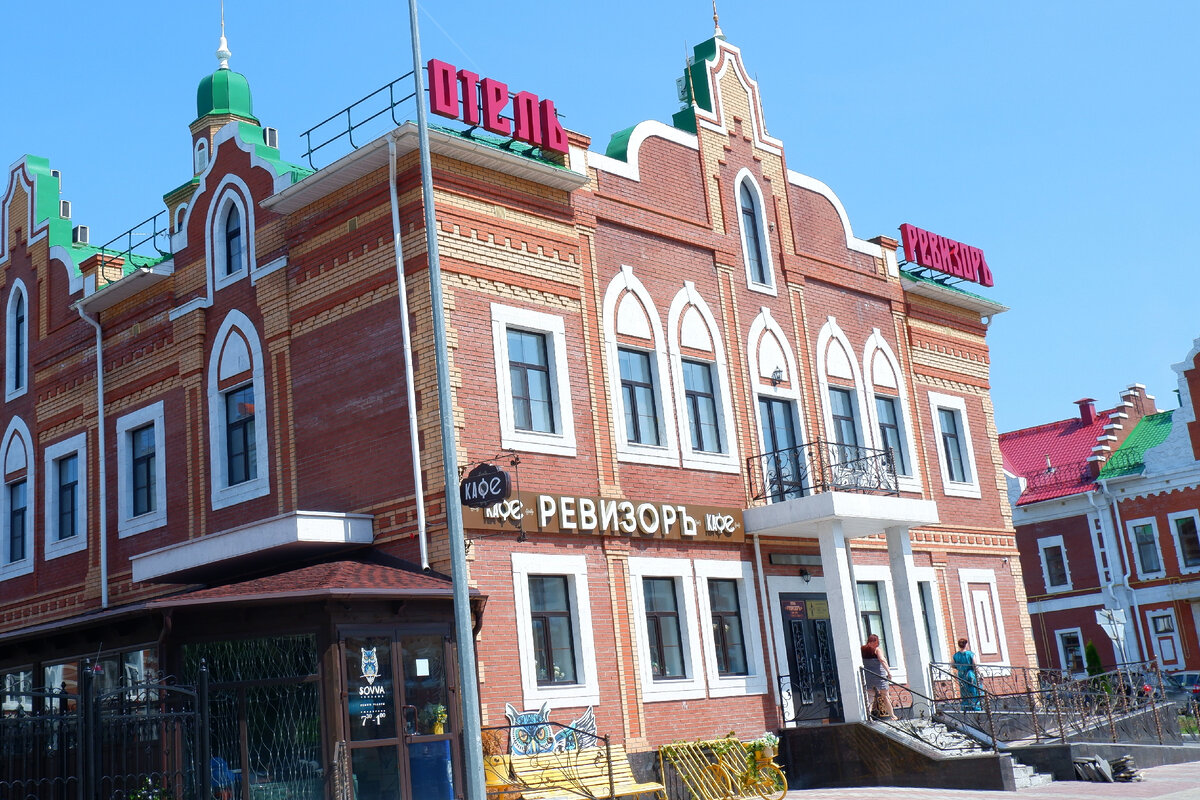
882, 372
767, 350
231, 193
236, 360
836, 359
16, 453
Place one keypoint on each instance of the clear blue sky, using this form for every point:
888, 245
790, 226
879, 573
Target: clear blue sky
1058, 137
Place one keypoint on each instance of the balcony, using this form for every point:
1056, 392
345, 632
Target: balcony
811, 485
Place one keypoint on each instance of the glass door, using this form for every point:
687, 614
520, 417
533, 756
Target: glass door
400, 729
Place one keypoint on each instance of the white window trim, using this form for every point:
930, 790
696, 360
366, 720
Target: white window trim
666, 454
1183, 569
53, 548
881, 575
745, 176
1174, 636
877, 344
831, 332
587, 691
951, 488
1062, 651
11, 392
929, 575
1044, 544
17, 429
755, 681
200, 156
127, 524
1100, 547
553, 328
231, 191
1133, 548
224, 495
680, 570
965, 578
728, 460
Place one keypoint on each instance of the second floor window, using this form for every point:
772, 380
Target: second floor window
233, 241
553, 634
529, 372
845, 425
638, 392
1056, 566
752, 235
701, 406
952, 445
67, 470
1189, 541
239, 435
142, 483
890, 435
1147, 549
16, 521
662, 628
730, 645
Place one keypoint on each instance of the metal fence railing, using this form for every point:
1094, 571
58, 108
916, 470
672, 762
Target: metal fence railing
821, 466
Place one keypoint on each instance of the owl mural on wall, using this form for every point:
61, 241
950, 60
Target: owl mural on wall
532, 732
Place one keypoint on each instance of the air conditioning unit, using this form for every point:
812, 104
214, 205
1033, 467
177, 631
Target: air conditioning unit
79, 234
271, 137
64, 209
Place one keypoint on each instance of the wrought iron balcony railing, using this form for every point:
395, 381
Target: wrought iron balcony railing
821, 466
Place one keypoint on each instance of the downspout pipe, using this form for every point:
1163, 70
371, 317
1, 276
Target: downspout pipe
1127, 570
413, 432
102, 451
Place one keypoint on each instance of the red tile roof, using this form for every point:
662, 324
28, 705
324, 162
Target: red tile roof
344, 578
1067, 443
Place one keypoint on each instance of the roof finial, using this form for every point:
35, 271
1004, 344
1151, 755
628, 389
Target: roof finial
223, 53
716, 22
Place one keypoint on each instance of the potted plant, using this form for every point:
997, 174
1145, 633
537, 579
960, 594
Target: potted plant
497, 769
433, 717
764, 747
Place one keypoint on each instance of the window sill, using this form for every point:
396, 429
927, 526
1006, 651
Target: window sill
553, 444
647, 454
239, 493
141, 523
711, 462
734, 686
63, 547
17, 569
663, 691
762, 288
956, 489
573, 695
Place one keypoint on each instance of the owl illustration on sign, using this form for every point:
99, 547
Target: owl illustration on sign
370, 665
533, 733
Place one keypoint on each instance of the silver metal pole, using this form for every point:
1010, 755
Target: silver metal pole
468, 679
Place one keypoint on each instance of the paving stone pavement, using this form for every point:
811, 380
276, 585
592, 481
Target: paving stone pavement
1172, 782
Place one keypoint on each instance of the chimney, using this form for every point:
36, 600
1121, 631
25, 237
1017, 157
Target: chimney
1087, 410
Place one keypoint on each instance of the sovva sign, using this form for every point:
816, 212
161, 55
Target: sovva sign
597, 516
461, 94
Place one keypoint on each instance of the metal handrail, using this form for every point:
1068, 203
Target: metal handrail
822, 466
347, 115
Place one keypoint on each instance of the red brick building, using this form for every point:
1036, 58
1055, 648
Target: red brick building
744, 438
1105, 508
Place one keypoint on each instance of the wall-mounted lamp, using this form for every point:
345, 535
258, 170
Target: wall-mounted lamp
777, 377
805, 575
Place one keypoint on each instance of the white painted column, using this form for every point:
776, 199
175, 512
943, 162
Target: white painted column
908, 612
839, 592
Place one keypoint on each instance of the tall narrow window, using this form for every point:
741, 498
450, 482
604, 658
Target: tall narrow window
1071, 651
845, 424
529, 373
67, 473
752, 237
1056, 567
956, 465
18, 347
662, 628
701, 406
553, 638
727, 626
242, 464
233, 241
1189, 541
141, 469
16, 521
870, 609
1147, 549
889, 431
638, 392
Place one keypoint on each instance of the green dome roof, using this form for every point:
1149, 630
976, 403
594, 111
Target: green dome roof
224, 92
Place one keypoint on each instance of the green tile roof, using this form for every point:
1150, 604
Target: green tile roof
922, 279
1130, 457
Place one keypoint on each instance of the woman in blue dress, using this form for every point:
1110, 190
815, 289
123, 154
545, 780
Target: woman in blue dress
968, 676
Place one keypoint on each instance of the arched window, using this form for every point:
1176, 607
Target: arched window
201, 156
17, 351
237, 414
756, 249
887, 404
780, 466
16, 497
233, 241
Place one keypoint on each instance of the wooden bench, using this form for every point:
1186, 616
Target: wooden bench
573, 774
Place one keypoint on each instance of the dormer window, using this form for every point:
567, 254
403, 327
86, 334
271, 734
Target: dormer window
17, 329
233, 241
756, 250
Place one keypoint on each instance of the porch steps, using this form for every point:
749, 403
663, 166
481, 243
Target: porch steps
954, 743
1027, 776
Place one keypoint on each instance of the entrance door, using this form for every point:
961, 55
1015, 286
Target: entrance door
781, 462
398, 707
816, 696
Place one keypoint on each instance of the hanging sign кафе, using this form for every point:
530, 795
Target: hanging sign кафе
462, 94
597, 516
945, 255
